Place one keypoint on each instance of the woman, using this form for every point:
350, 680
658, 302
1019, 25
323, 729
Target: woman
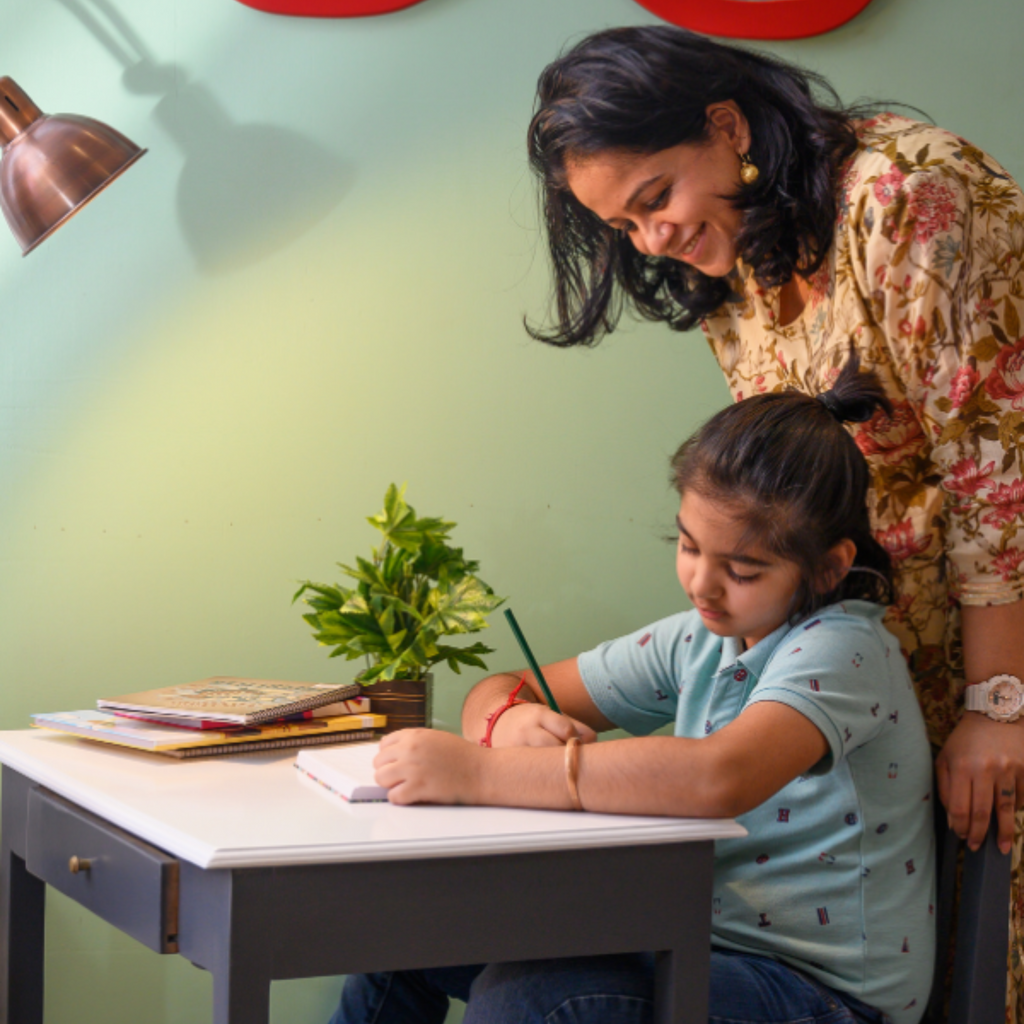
699, 183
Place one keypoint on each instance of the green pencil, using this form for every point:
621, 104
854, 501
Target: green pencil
532, 661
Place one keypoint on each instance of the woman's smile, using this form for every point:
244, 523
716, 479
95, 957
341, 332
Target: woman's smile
690, 250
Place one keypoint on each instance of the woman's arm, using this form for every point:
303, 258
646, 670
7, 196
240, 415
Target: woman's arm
721, 775
533, 723
982, 763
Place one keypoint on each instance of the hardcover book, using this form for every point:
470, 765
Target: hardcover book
232, 699
354, 706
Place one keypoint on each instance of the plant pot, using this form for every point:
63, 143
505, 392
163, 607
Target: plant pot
408, 703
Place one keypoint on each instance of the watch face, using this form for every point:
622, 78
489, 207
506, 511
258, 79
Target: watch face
1005, 698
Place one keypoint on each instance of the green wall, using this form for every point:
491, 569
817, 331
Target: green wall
313, 285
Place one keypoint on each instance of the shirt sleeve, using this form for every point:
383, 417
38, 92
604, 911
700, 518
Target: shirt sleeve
634, 680
937, 247
837, 673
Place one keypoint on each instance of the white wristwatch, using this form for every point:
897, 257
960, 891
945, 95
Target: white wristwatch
1001, 698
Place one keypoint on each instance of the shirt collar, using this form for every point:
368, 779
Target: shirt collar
755, 658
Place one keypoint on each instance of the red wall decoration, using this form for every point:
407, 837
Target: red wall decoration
757, 19
734, 19
330, 8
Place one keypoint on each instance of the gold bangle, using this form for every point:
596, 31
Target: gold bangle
572, 768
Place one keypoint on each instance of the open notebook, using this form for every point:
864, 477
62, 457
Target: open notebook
345, 771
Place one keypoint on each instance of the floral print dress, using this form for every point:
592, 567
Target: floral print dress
925, 278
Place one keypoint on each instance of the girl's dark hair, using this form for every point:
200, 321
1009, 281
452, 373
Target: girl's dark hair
645, 89
786, 467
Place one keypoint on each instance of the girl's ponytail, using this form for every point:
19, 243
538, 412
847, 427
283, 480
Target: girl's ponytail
855, 396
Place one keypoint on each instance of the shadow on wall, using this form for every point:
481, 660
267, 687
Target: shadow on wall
246, 190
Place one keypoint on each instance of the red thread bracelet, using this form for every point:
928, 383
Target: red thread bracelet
493, 717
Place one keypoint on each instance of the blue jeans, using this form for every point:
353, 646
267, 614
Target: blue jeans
594, 990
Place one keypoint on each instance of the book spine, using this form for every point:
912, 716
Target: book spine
254, 746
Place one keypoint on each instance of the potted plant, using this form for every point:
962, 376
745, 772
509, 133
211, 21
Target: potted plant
414, 590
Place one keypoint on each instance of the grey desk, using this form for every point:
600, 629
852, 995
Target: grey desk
235, 863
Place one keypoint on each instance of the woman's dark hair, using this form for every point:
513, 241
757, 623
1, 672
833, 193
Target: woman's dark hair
644, 89
791, 473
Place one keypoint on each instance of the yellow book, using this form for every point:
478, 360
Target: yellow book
129, 732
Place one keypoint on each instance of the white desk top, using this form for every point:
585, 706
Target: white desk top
255, 810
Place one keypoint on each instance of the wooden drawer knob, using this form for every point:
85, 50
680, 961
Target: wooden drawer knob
77, 864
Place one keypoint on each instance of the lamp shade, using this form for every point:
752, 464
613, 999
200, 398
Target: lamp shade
52, 165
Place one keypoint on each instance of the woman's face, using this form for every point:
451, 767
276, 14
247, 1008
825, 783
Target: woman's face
672, 203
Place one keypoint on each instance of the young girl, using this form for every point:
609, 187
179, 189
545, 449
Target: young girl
793, 711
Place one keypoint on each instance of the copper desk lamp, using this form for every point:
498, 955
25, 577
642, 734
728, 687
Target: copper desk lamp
52, 165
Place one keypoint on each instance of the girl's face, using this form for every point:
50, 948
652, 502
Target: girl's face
739, 589
672, 203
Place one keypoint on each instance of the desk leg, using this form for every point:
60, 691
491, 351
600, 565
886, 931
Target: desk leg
239, 998
221, 928
22, 910
681, 979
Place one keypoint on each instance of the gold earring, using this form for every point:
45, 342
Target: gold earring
749, 172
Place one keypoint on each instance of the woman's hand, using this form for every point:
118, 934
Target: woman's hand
425, 766
535, 725
981, 766
982, 763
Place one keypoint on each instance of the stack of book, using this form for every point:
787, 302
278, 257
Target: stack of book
224, 715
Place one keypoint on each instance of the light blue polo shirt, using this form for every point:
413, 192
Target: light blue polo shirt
836, 876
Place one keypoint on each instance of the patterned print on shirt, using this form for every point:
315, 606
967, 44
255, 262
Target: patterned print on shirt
763, 921
822, 915
644, 640
814, 684
783, 814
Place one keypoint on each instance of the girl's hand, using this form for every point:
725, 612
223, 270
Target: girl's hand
534, 725
425, 766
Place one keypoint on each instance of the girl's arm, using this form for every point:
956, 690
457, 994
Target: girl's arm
722, 775
533, 724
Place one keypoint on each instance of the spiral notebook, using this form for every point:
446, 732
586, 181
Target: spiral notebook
231, 699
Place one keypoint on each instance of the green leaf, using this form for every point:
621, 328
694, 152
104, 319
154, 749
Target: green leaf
463, 606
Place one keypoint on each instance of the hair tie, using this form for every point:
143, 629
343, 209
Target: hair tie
834, 406
859, 410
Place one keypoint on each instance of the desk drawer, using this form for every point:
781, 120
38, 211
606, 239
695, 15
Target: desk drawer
125, 881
